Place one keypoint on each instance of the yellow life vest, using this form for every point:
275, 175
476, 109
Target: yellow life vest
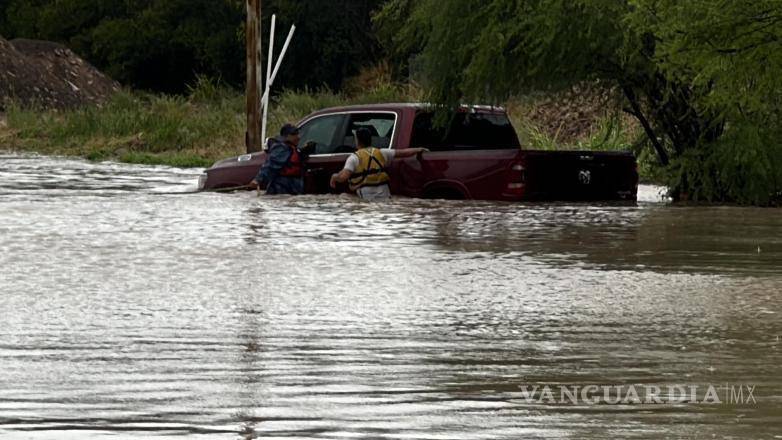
371, 169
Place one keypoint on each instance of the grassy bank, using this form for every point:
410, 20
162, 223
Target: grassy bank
137, 128
209, 124
186, 131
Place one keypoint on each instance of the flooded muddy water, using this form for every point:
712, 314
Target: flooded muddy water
130, 306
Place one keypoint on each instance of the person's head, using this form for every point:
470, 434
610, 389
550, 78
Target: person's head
363, 138
290, 134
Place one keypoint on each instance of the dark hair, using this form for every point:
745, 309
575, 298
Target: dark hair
289, 129
364, 137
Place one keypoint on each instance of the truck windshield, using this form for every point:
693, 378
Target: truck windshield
466, 131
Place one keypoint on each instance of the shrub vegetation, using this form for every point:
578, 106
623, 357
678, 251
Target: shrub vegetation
701, 77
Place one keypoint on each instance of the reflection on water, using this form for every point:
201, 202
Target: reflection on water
131, 307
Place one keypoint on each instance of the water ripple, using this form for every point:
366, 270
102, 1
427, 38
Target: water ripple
134, 307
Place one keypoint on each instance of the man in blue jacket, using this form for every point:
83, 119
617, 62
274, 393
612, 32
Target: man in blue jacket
283, 171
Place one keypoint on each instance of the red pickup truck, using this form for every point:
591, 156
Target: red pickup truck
476, 156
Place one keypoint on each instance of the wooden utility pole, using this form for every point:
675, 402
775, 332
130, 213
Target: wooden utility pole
253, 30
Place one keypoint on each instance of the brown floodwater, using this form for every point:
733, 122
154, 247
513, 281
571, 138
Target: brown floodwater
132, 307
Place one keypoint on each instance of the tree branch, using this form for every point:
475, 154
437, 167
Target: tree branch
636, 107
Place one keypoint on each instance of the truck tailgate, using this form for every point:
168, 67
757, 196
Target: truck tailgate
579, 175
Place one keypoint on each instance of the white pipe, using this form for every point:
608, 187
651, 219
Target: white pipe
279, 62
265, 99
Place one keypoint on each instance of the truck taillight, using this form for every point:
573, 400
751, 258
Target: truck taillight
516, 179
517, 174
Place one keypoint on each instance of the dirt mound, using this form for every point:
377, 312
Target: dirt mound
49, 75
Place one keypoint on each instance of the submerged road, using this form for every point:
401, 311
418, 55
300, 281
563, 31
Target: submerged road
129, 308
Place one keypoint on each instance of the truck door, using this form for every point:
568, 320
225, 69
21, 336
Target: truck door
382, 125
327, 133
330, 156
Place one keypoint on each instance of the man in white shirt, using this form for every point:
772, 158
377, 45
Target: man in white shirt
366, 169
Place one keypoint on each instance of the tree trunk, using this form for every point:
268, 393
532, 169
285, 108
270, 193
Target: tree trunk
636, 108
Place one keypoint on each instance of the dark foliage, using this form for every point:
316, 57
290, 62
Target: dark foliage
162, 45
702, 78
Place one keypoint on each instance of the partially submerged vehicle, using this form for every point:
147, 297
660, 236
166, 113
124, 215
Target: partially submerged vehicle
477, 156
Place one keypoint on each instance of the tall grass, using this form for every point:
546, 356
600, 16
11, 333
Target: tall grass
193, 130
609, 134
208, 124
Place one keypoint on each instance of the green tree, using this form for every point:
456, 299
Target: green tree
334, 39
3, 19
664, 55
162, 45
151, 44
165, 44
729, 54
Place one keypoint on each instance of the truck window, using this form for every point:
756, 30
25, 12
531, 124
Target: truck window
380, 124
466, 131
322, 130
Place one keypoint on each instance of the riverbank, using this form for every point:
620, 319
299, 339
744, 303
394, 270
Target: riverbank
194, 130
208, 123
133, 127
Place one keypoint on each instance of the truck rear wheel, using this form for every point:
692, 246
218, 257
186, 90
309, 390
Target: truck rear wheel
444, 193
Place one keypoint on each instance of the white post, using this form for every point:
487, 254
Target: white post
277, 66
265, 98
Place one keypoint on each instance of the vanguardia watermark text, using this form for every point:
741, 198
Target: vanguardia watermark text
730, 394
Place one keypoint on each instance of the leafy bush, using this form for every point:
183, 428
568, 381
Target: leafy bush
744, 166
700, 77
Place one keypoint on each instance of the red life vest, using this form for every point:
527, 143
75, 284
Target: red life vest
293, 167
